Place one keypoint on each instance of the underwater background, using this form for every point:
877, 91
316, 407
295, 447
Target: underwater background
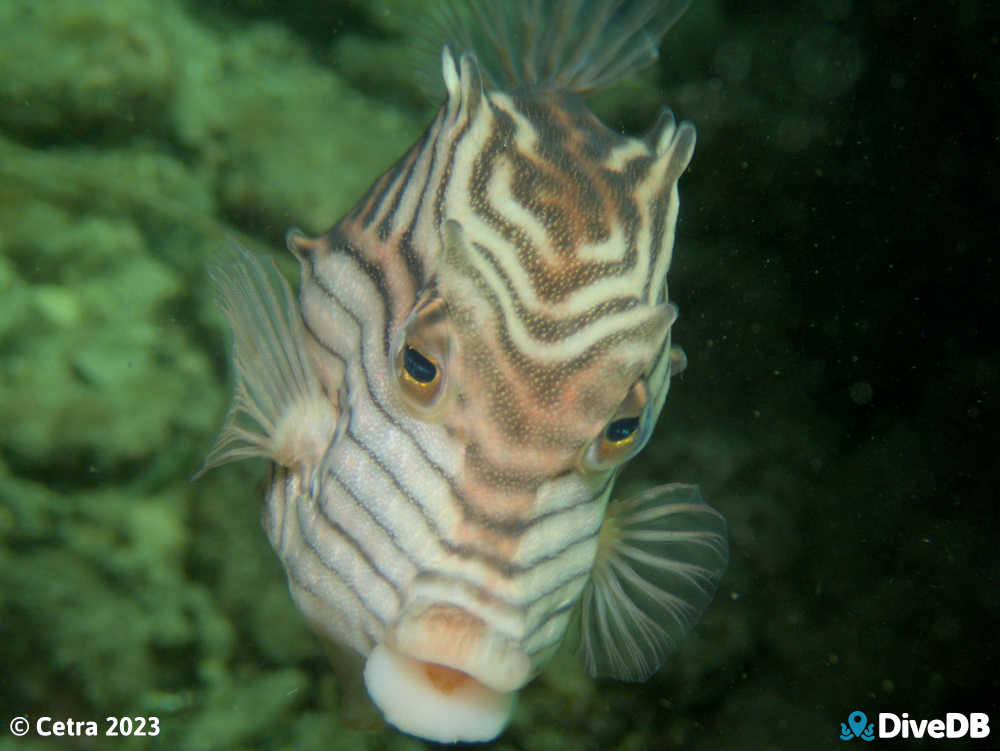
836, 271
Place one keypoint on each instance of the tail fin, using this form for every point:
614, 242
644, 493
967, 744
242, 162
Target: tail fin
574, 45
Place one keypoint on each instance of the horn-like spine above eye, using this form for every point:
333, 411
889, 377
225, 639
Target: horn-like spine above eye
672, 143
463, 82
662, 131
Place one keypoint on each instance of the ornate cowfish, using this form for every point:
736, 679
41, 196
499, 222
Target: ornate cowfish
478, 347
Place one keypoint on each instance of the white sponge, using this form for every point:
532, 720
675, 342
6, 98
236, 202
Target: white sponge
433, 701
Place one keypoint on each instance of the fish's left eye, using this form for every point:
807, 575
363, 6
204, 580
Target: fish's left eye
419, 368
420, 377
423, 355
624, 435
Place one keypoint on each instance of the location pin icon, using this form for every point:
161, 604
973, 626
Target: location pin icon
857, 721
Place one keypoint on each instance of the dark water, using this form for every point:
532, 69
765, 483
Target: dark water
836, 273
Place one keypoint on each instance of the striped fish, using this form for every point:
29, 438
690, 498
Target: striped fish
476, 351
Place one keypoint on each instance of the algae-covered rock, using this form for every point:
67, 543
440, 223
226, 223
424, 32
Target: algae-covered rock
100, 66
94, 583
252, 123
92, 349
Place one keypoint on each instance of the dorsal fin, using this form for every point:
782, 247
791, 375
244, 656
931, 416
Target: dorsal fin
572, 45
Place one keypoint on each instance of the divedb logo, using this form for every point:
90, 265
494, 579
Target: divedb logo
974, 725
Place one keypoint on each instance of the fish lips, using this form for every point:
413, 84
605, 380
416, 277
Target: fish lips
447, 635
442, 674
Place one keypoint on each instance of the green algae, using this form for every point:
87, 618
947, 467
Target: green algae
89, 335
101, 66
250, 122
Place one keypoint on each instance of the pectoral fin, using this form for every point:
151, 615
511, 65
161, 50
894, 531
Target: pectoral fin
279, 409
660, 559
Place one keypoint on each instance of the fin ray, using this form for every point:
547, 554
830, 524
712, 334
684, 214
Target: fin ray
575, 45
279, 410
661, 557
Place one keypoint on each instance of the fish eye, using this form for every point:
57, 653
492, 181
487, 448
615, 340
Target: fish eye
419, 368
623, 436
419, 376
621, 430
423, 348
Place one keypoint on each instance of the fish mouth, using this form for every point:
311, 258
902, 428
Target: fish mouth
434, 701
441, 674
